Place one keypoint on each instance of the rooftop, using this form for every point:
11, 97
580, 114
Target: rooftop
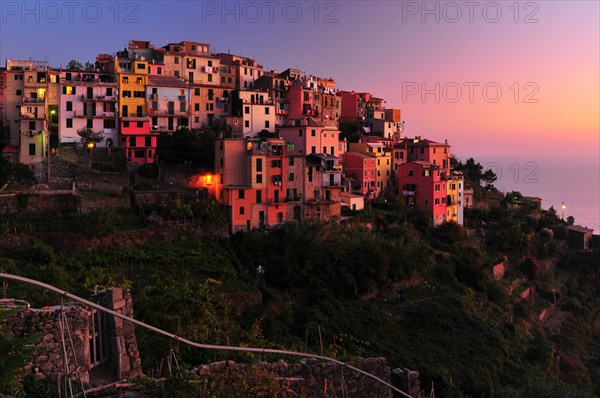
579, 228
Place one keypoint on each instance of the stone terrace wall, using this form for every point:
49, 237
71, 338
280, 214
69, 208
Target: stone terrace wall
311, 378
44, 327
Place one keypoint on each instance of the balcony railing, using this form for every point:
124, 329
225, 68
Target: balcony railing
33, 116
32, 100
97, 115
134, 116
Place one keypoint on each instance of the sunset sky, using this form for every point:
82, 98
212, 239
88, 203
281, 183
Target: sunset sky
543, 56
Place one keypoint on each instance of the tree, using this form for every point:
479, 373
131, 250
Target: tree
351, 131
89, 66
89, 136
74, 65
489, 177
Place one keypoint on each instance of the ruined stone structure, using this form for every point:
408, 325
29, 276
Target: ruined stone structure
92, 340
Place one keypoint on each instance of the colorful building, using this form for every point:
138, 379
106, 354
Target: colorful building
362, 169
256, 112
454, 199
421, 184
383, 162
323, 187
310, 136
87, 99
169, 103
136, 136
252, 182
27, 113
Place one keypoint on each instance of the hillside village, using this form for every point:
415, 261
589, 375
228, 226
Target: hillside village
279, 156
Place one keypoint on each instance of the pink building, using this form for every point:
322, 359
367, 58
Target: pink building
311, 136
425, 150
421, 184
362, 168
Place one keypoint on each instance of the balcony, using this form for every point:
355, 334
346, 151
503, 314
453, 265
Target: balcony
293, 199
132, 117
99, 98
409, 193
32, 100
33, 116
104, 115
167, 112
35, 84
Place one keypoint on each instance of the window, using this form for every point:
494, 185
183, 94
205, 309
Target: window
31, 125
140, 124
279, 217
259, 165
241, 194
291, 161
276, 163
259, 196
20, 77
267, 124
300, 133
197, 107
176, 60
148, 141
138, 94
313, 133
127, 94
69, 123
159, 70
32, 149
246, 109
313, 149
259, 178
210, 78
139, 80
411, 173
90, 123
196, 91
266, 110
69, 106
291, 177
324, 149
332, 152
18, 92
109, 123
247, 123
209, 107
141, 66
125, 124
242, 210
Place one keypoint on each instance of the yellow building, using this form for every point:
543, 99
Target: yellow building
383, 157
453, 200
132, 77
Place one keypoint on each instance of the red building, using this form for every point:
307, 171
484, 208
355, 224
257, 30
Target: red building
362, 168
138, 141
421, 184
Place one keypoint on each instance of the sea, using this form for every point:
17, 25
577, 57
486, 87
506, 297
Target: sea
573, 182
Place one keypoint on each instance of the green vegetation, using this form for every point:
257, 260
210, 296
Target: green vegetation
19, 174
385, 284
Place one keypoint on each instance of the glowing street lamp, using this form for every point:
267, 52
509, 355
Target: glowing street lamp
563, 207
90, 146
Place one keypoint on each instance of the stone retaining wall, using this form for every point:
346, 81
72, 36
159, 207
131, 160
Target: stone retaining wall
314, 378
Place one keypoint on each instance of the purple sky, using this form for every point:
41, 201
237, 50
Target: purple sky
530, 68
